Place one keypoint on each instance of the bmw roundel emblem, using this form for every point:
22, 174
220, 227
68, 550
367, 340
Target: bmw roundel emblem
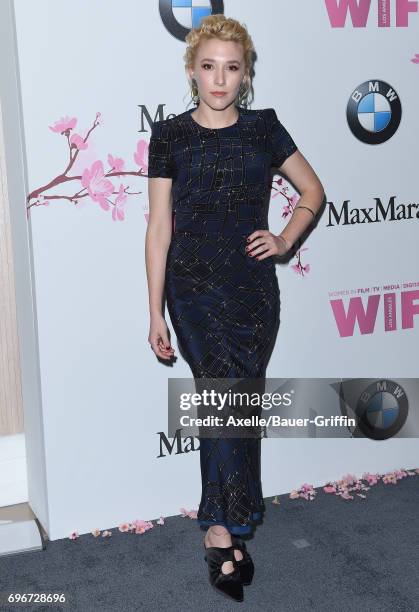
382, 409
374, 112
180, 16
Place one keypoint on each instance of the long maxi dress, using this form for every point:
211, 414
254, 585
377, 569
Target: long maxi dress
223, 304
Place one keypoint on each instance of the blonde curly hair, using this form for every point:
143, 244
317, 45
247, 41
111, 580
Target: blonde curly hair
224, 28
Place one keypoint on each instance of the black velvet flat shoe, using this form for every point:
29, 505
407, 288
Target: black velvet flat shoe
245, 565
229, 585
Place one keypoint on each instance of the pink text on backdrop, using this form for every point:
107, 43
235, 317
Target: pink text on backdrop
364, 310
359, 11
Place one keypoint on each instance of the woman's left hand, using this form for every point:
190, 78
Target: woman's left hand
262, 244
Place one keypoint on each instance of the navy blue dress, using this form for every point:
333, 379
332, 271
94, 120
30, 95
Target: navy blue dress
224, 305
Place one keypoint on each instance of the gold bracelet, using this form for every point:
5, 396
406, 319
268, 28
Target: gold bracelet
302, 206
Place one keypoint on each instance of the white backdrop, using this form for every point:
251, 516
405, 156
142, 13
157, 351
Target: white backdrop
104, 394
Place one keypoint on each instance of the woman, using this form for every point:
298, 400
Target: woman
212, 168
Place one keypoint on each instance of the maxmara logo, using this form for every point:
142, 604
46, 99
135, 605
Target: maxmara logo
390, 211
178, 445
360, 13
179, 16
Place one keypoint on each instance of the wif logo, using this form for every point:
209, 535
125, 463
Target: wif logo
387, 12
397, 304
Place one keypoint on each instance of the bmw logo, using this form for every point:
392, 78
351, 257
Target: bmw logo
382, 409
180, 16
374, 112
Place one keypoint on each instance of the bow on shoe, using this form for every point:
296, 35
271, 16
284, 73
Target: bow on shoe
229, 584
245, 565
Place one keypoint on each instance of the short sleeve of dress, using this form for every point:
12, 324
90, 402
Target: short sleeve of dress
281, 143
160, 161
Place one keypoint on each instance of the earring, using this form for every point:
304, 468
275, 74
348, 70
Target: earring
242, 93
194, 92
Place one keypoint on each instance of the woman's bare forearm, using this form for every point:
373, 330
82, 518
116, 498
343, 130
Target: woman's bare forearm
157, 241
302, 218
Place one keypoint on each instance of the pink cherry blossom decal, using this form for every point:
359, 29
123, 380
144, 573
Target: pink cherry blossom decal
65, 124
116, 163
78, 142
281, 189
96, 183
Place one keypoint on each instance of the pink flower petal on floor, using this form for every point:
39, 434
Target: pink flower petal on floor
190, 513
124, 527
74, 535
143, 524
372, 479
160, 521
351, 478
294, 494
106, 534
307, 487
96, 532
